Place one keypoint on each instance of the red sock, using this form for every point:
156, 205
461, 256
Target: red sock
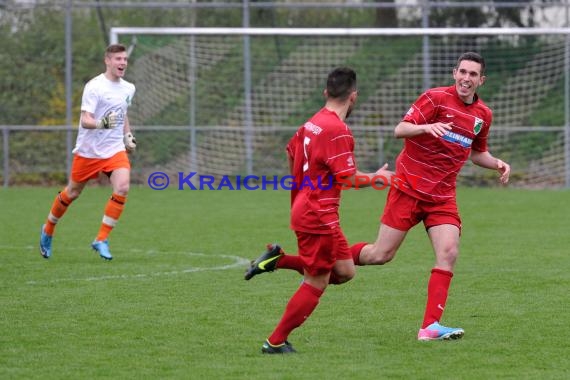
58, 208
290, 262
438, 287
299, 308
356, 249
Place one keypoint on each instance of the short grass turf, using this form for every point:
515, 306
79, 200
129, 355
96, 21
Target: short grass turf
173, 303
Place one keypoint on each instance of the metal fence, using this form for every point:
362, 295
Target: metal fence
41, 154
34, 155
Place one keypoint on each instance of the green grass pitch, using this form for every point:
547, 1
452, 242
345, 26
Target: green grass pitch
173, 302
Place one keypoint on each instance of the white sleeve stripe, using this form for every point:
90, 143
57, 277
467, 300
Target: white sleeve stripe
338, 155
342, 136
421, 114
432, 103
342, 171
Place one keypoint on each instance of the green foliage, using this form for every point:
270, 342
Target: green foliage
32, 50
476, 16
551, 110
314, 17
507, 59
34, 47
221, 84
33, 42
158, 148
28, 153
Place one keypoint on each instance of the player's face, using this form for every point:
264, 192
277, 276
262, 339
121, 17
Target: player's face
467, 79
116, 64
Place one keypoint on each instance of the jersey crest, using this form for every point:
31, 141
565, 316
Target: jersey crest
477, 125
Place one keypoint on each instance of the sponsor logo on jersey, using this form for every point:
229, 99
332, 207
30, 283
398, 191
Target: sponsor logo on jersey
458, 139
313, 128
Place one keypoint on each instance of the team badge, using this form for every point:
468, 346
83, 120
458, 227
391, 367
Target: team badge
477, 126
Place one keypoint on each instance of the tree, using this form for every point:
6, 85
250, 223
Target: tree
492, 16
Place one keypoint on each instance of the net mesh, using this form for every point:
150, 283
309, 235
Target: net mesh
197, 83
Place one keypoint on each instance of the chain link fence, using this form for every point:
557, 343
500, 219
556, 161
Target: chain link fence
191, 108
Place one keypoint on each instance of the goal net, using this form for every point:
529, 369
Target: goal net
223, 101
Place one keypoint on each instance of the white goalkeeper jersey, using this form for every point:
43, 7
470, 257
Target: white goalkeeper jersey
101, 96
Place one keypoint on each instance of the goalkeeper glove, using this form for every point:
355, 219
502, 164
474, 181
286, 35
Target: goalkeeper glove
108, 121
130, 142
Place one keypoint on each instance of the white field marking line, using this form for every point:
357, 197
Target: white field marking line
238, 262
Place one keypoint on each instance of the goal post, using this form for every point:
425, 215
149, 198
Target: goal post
115, 32
239, 92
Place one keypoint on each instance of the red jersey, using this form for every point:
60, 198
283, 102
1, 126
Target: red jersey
321, 149
428, 165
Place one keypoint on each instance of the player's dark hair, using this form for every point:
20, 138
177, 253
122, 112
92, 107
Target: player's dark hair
341, 82
115, 48
474, 57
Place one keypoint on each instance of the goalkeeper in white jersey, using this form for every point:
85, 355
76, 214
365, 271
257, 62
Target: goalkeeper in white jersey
103, 140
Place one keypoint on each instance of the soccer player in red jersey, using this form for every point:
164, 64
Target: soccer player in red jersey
444, 128
320, 154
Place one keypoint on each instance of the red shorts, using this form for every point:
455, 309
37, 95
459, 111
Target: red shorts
403, 211
83, 169
319, 252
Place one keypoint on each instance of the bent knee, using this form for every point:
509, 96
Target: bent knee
344, 279
381, 257
122, 189
73, 194
380, 260
449, 256
345, 276
450, 253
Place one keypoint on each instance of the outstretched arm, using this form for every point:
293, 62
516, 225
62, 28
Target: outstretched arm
406, 129
360, 179
486, 160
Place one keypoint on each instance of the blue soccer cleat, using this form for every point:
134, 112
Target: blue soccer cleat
435, 331
45, 243
102, 247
